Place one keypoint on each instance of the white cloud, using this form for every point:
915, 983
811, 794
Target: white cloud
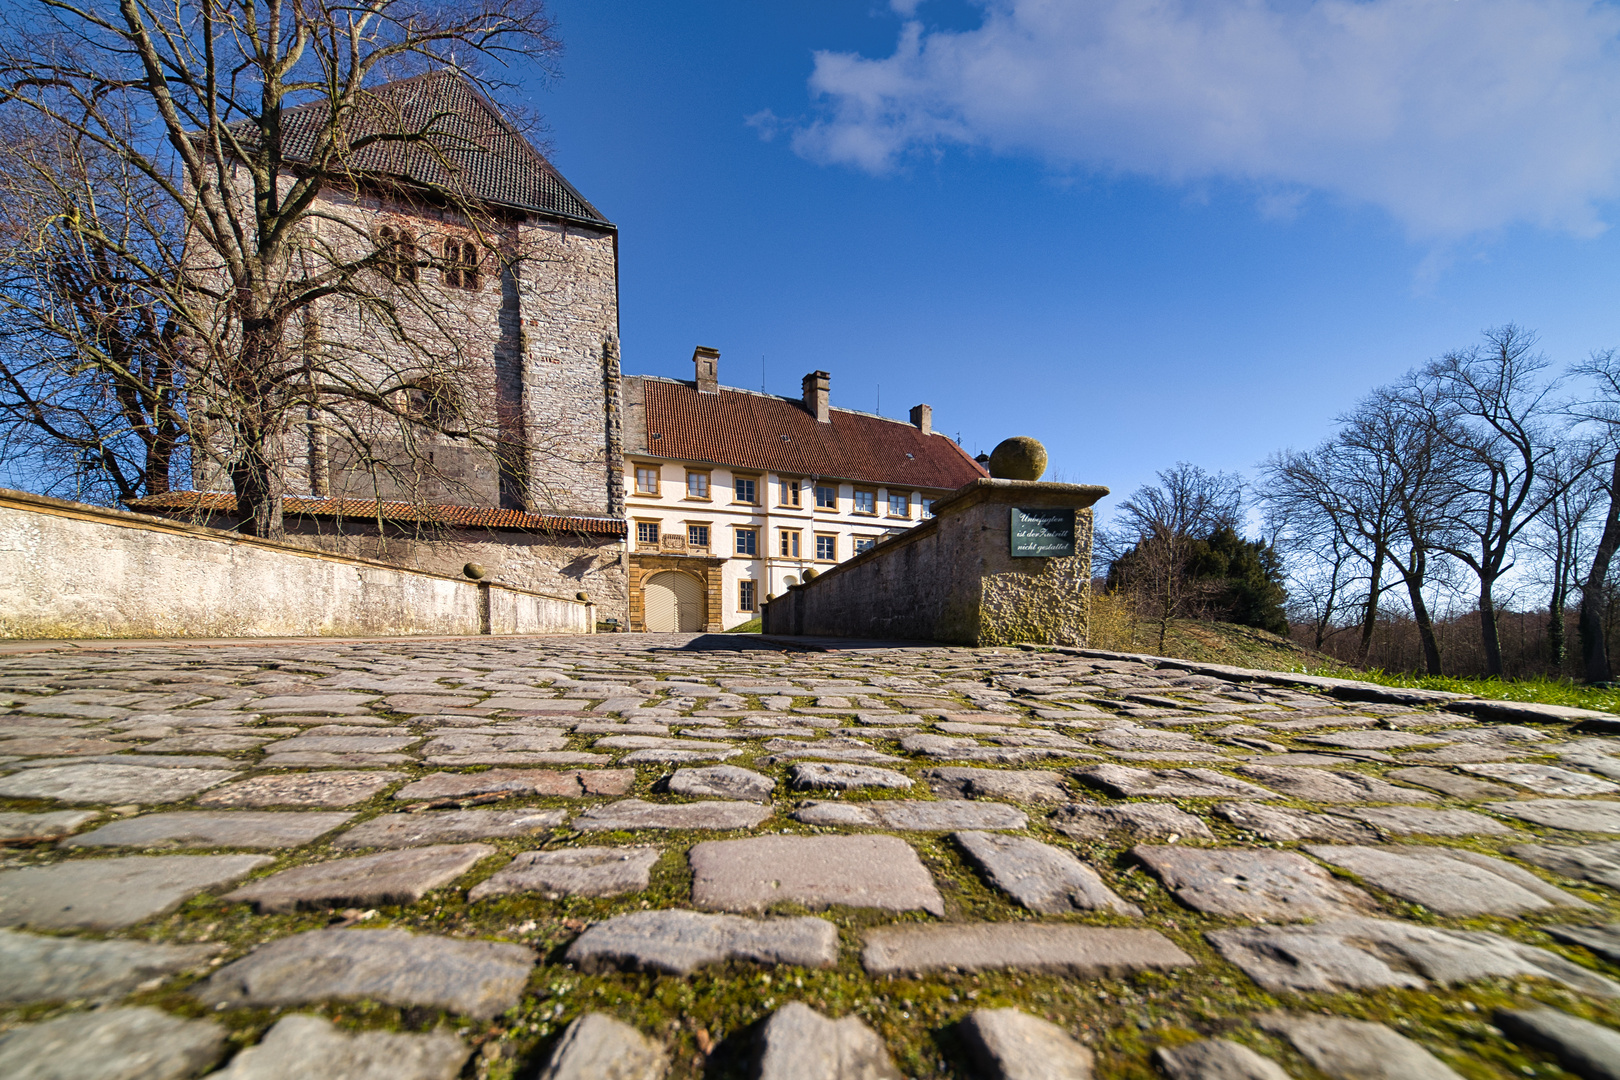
1454, 116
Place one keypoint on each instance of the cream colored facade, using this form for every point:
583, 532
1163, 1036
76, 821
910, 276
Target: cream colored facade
769, 529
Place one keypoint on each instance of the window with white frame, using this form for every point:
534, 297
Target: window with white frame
790, 543
697, 484
826, 547
745, 596
865, 501
899, 505
864, 543
647, 532
826, 497
697, 536
790, 492
748, 541
744, 488
646, 479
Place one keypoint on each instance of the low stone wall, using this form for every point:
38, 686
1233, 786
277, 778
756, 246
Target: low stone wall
553, 564
954, 579
68, 570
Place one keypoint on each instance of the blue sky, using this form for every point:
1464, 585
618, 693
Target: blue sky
1139, 232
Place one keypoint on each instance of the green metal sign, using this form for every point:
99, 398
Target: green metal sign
1042, 534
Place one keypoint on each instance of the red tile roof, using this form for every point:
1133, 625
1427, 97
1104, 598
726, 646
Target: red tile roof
488, 517
760, 431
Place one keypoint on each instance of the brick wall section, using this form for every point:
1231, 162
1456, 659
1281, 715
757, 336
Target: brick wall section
953, 579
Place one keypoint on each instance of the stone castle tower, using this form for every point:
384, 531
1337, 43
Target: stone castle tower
523, 288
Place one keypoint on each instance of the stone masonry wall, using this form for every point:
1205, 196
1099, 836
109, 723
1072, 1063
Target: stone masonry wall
562, 564
529, 349
953, 578
70, 570
568, 296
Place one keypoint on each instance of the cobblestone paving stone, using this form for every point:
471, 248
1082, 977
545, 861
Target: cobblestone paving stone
711, 855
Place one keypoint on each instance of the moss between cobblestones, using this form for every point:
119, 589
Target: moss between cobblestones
720, 1007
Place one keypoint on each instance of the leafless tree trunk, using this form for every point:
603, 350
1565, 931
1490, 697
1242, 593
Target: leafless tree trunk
1560, 535
1602, 406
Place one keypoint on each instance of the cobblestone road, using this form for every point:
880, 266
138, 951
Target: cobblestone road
640, 856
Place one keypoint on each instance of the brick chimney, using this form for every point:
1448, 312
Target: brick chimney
817, 395
707, 362
922, 418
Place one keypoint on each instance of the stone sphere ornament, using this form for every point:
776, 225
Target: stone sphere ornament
473, 570
1018, 458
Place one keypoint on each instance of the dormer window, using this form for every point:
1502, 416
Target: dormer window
461, 264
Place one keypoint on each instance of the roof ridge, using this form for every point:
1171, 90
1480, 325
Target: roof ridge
439, 514
759, 431
783, 397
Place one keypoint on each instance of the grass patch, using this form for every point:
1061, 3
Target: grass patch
1539, 688
1206, 642
752, 626
1245, 646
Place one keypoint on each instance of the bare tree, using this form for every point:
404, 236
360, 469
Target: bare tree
1322, 573
1337, 505
91, 371
233, 118
1603, 407
1400, 437
1561, 536
1496, 410
1160, 524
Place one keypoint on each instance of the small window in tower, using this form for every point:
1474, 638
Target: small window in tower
461, 264
397, 253
434, 402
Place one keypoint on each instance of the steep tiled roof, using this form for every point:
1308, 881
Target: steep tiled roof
760, 431
221, 502
487, 158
